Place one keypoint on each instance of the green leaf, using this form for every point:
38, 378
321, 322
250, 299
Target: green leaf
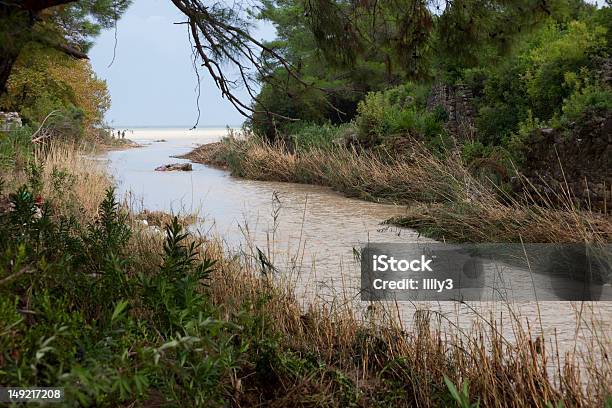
453, 390
120, 308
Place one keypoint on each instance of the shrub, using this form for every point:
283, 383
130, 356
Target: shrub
408, 95
504, 102
306, 136
560, 51
535, 78
586, 99
396, 111
88, 326
515, 143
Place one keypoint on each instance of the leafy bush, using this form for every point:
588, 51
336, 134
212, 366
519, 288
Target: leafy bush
534, 81
74, 314
398, 110
504, 103
584, 100
560, 51
409, 94
172, 293
306, 136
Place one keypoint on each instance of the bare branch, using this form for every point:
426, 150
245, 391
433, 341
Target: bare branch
68, 50
232, 56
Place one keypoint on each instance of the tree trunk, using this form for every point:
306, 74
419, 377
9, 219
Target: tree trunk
15, 24
7, 60
6, 64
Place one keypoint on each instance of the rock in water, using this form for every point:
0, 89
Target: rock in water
175, 167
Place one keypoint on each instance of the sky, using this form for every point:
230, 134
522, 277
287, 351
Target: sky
151, 81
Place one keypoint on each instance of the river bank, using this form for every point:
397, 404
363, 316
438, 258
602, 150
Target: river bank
150, 330
443, 199
309, 232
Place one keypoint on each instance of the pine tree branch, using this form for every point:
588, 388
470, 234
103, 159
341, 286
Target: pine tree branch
68, 50
39, 5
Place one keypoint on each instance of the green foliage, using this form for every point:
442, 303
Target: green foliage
461, 397
173, 293
560, 51
549, 80
339, 76
75, 23
399, 110
67, 311
83, 20
46, 85
473, 151
504, 103
586, 100
516, 141
349, 49
306, 136
15, 147
297, 102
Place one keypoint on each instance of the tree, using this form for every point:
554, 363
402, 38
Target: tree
400, 35
66, 25
46, 80
397, 33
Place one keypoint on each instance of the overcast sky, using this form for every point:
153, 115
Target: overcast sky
151, 81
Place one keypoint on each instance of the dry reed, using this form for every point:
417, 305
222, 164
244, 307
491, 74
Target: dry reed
443, 197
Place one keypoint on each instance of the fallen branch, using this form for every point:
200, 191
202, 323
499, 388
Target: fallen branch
38, 139
14, 276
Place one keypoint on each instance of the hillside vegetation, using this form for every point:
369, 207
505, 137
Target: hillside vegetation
502, 136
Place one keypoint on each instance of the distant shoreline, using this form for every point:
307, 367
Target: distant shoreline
132, 127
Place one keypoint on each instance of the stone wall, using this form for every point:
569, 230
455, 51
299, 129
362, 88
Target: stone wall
584, 150
457, 101
9, 120
581, 157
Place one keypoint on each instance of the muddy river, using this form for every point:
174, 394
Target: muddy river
310, 233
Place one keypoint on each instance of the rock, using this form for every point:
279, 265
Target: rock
175, 167
9, 121
457, 102
351, 139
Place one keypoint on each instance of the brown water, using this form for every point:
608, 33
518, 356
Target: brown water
309, 233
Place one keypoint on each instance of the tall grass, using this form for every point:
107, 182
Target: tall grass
444, 198
386, 364
178, 319
71, 178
